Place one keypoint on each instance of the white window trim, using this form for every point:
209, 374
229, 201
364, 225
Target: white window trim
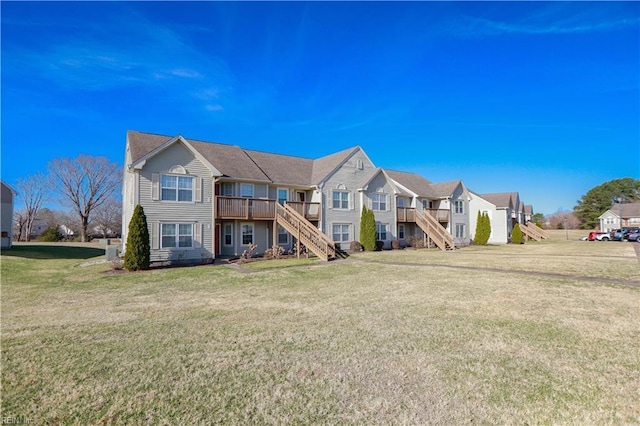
278, 194
178, 176
464, 229
404, 231
457, 203
349, 232
386, 231
386, 202
253, 233
224, 234
341, 191
177, 236
287, 234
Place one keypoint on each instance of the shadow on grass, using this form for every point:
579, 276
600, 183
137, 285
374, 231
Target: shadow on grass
53, 252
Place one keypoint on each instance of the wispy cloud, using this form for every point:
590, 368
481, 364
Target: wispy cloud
497, 27
137, 52
550, 18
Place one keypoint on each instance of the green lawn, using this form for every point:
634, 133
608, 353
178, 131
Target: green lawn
545, 332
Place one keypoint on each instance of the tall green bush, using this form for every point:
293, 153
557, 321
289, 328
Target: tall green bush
368, 229
516, 235
483, 229
138, 250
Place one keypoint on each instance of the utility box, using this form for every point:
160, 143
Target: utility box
111, 252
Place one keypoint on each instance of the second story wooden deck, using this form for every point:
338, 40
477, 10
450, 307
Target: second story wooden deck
408, 214
260, 208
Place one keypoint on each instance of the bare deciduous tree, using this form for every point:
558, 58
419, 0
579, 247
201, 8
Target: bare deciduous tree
85, 183
563, 220
108, 217
19, 224
33, 192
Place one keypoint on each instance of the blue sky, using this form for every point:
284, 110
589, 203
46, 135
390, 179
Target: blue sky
536, 97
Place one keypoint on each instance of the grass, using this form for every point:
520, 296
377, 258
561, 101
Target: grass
390, 337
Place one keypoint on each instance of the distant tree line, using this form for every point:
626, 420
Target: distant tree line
85, 185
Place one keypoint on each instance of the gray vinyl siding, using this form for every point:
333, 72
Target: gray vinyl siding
460, 194
7, 216
379, 184
175, 212
262, 236
351, 178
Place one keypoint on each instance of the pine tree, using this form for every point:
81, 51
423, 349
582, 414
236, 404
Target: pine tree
483, 229
487, 227
368, 229
516, 235
477, 238
138, 250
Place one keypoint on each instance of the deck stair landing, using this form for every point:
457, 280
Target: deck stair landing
304, 231
531, 230
436, 232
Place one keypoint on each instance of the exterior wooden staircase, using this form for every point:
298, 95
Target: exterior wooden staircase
438, 234
304, 231
531, 230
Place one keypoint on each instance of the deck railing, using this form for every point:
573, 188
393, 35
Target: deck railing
408, 214
260, 208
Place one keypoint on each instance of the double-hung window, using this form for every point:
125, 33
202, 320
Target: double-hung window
340, 200
460, 230
247, 233
227, 189
340, 232
379, 202
458, 206
177, 235
401, 232
283, 235
246, 190
381, 231
177, 188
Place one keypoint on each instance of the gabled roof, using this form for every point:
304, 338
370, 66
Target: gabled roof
528, 209
237, 163
415, 183
325, 166
367, 180
9, 187
501, 199
141, 161
140, 144
232, 161
283, 169
476, 195
445, 189
626, 210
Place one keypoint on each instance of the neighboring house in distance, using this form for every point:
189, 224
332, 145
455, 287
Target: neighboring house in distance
620, 216
497, 218
7, 195
510, 203
528, 213
203, 200
39, 226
